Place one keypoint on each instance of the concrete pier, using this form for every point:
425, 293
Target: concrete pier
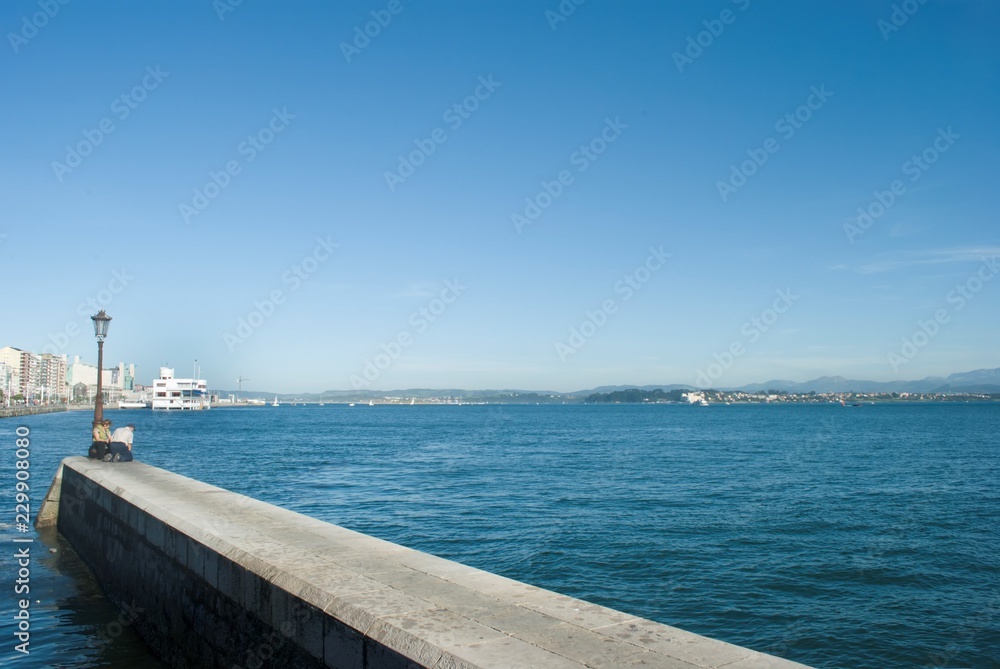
14, 412
213, 578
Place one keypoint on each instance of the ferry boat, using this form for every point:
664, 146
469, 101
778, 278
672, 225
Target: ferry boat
172, 394
138, 404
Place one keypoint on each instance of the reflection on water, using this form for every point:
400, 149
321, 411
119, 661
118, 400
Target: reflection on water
72, 623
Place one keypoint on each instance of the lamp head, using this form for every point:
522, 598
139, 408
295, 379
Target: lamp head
101, 321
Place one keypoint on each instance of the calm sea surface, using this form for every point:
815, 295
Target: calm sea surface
837, 537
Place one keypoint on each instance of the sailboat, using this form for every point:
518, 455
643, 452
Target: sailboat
275, 403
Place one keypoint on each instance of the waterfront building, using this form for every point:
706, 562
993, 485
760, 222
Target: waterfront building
5, 382
52, 376
115, 381
126, 376
10, 358
82, 372
31, 375
36, 377
170, 393
23, 367
693, 397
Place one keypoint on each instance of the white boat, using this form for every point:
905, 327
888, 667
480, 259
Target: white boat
123, 404
275, 403
371, 403
351, 404
702, 403
413, 400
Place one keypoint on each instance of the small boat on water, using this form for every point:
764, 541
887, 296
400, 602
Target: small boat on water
123, 404
275, 403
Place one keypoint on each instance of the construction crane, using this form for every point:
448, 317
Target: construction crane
240, 382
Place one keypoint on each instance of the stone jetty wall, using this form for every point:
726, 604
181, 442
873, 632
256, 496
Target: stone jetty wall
213, 578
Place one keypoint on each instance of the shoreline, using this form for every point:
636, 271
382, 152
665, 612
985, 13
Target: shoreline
30, 411
361, 405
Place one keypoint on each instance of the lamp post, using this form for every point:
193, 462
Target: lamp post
101, 321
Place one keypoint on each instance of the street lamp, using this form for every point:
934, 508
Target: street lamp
101, 321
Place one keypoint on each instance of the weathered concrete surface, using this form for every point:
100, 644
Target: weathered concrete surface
213, 578
48, 512
13, 412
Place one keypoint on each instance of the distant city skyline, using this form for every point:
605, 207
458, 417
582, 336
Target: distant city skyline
392, 195
972, 377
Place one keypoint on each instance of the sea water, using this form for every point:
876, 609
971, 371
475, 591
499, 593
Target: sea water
834, 536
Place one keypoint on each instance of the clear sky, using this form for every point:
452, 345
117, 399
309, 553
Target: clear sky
503, 195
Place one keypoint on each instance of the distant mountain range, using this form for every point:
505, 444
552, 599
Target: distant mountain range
976, 381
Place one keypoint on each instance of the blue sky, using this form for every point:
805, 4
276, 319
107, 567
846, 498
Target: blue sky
621, 196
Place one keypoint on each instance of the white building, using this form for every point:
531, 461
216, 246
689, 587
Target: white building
6, 385
116, 382
170, 393
10, 358
24, 370
39, 378
52, 376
